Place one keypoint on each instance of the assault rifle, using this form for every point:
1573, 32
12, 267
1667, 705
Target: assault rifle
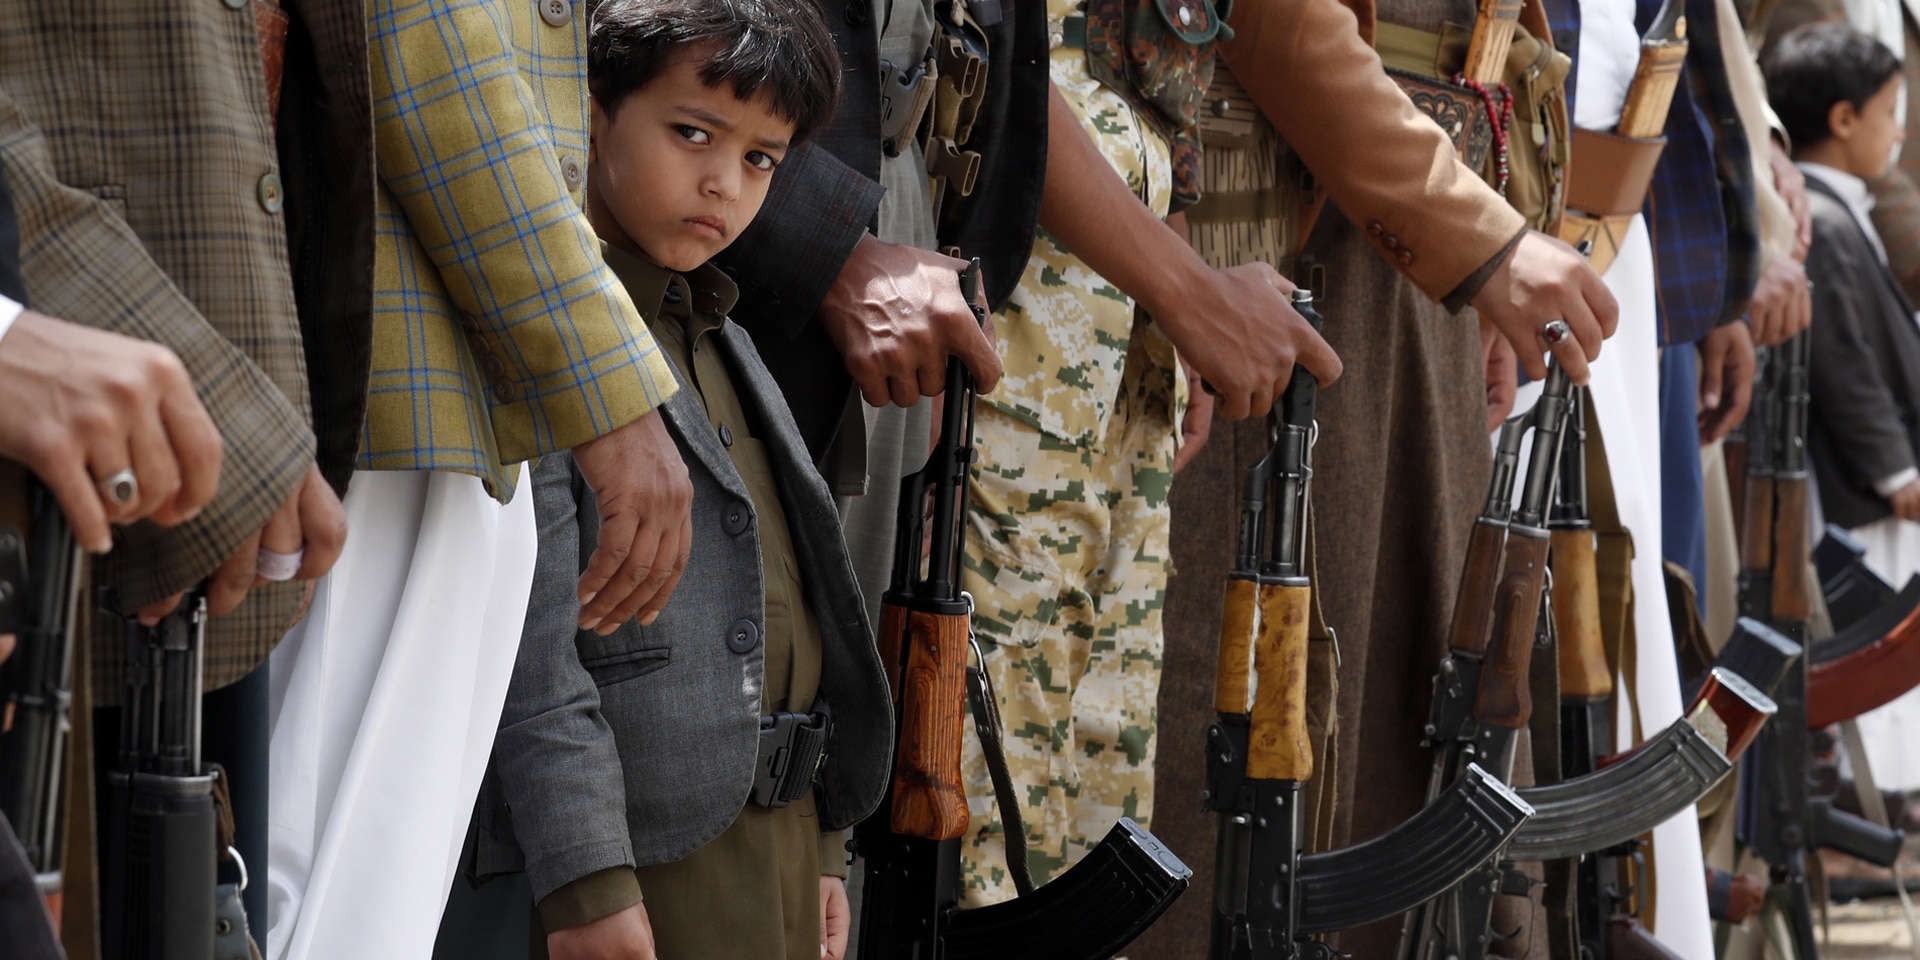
910, 906
1481, 697
159, 837
40, 567
1778, 818
1270, 900
1874, 654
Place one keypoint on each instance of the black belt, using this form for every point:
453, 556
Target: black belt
792, 747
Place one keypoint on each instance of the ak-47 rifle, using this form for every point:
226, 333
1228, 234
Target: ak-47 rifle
1725, 716
1610, 801
40, 568
1270, 900
912, 847
1874, 655
1778, 818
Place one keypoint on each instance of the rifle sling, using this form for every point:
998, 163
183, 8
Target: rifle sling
986, 722
1875, 807
1323, 695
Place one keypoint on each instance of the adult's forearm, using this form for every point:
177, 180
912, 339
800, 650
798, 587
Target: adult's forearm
1090, 210
1382, 161
816, 211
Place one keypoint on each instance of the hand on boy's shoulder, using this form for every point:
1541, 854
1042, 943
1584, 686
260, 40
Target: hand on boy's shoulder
618, 936
896, 314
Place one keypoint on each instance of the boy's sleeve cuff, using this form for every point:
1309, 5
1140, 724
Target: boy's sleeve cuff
10, 311
602, 893
833, 854
1888, 486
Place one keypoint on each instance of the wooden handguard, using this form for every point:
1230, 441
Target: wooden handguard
892, 639
1230, 678
1278, 748
928, 798
1576, 618
1492, 38
1756, 524
1473, 607
1504, 698
1650, 97
1791, 591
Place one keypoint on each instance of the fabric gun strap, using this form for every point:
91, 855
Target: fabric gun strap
1323, 698
986, 722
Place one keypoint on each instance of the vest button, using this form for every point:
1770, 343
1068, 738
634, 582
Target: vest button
736, 519
556, 12
572, 171
743, 636
270, 195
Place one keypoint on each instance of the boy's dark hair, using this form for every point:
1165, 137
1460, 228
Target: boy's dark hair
780, 46
1817, 66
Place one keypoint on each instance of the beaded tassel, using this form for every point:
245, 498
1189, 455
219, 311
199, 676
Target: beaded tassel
1501, 117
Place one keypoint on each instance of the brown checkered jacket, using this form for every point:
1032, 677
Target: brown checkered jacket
154, 200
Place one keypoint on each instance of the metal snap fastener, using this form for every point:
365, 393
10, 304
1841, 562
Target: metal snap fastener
271, 199
556, 12
743, 636
1222, 107
572, 171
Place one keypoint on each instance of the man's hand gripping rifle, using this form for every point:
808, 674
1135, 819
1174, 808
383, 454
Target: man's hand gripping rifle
1270, 900
911, 847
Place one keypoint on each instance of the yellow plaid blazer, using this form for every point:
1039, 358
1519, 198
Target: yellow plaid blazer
499, 333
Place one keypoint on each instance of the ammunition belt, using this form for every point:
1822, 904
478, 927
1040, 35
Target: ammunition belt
792, 748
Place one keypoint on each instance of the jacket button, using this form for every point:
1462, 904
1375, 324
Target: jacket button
673, 294
556, 12
1376, 228
726, 436
857, 13
736, 519
743, 636
1390, 241
1405, 257
270, 195
236, 4
572, 172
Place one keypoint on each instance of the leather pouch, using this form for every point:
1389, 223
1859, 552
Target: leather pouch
1610, 173
1458, 111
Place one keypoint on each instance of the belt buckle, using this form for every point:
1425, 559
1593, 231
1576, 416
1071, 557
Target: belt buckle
773, 765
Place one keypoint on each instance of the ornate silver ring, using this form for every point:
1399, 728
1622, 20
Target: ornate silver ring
1556, 331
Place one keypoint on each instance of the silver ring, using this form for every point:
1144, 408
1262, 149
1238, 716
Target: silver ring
278, 566
1556, 331
121, 488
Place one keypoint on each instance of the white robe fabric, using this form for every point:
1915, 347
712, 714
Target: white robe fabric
385, 701
1893, 552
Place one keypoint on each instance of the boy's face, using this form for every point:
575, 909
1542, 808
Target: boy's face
680, 168
1869, 134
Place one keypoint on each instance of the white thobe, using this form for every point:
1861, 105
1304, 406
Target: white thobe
385, 701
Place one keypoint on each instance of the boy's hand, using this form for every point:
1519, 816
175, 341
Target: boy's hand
1197, 424
896, 314
1543, 279
617, 936
834, 918
1726, 380
1906, 502
646, 523
1792, 187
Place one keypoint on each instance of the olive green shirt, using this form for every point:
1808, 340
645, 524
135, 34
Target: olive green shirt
684, 312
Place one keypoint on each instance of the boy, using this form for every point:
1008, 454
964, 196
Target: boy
1836, 91
676, 756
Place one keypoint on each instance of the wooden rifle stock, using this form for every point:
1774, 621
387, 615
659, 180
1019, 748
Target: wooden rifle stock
1505, 698
929, 799
1278, 748
1628, 940
1756, 525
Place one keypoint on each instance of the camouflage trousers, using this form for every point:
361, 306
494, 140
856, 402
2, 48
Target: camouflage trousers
1067, 561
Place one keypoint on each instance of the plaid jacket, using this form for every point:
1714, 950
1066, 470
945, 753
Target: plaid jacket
498, 332
151, 199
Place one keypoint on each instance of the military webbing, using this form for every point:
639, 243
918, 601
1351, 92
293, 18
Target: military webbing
961, 59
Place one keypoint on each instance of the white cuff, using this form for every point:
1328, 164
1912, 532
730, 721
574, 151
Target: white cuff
1888, 486
9, 312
